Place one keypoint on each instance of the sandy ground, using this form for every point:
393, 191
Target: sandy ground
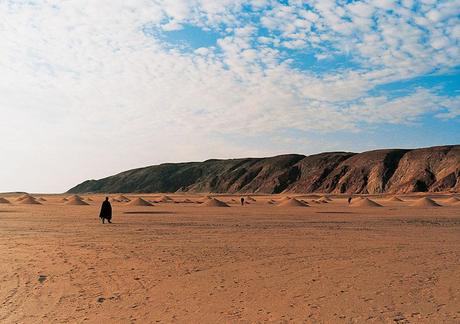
185, 263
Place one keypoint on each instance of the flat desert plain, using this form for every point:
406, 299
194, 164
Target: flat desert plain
273, 260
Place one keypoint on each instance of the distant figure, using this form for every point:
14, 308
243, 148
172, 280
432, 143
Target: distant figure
242, 201
106, 211
349, 200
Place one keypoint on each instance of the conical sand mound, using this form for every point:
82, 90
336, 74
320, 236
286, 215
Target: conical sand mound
166, 199
395, 199
205, 199
139, 202
287, 198
365, 202
214, 203
74, 197
292, 203
76, 201
29, 201
425, 202
271, 202
89, 199
4, 201
123, 198
453, 200
22, 197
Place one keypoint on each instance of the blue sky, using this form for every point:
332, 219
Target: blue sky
91, 88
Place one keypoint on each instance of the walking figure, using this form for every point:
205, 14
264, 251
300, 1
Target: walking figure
349, 200
106, 211
242, 201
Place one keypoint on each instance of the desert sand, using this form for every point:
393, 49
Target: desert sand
186, 260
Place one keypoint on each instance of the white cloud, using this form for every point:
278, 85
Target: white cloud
406, 109
361, 9
82, 87
171, 25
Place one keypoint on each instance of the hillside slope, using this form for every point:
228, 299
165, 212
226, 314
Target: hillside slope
391, 170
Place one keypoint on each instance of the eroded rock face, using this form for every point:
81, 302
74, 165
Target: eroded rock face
366, 172
427, 169
391, 170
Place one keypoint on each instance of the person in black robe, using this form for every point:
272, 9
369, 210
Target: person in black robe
242, 201
106, 211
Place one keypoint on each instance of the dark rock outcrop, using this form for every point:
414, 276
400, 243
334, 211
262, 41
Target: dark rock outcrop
391, 170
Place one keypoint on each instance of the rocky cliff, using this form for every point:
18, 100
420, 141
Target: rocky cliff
392, 170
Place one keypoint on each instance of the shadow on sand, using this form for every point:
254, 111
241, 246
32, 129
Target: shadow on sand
334, 212
148, 212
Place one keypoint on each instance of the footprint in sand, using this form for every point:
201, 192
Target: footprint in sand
42, 278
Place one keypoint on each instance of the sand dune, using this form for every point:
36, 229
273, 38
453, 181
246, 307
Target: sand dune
166, 199
4, 201
204, 199
292, 203
122, 198
365, 202
138, 201
25, 196
29, 200
76, 201
395, 199
425, 202
452, 200
214, 203
285, 198
73, 197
